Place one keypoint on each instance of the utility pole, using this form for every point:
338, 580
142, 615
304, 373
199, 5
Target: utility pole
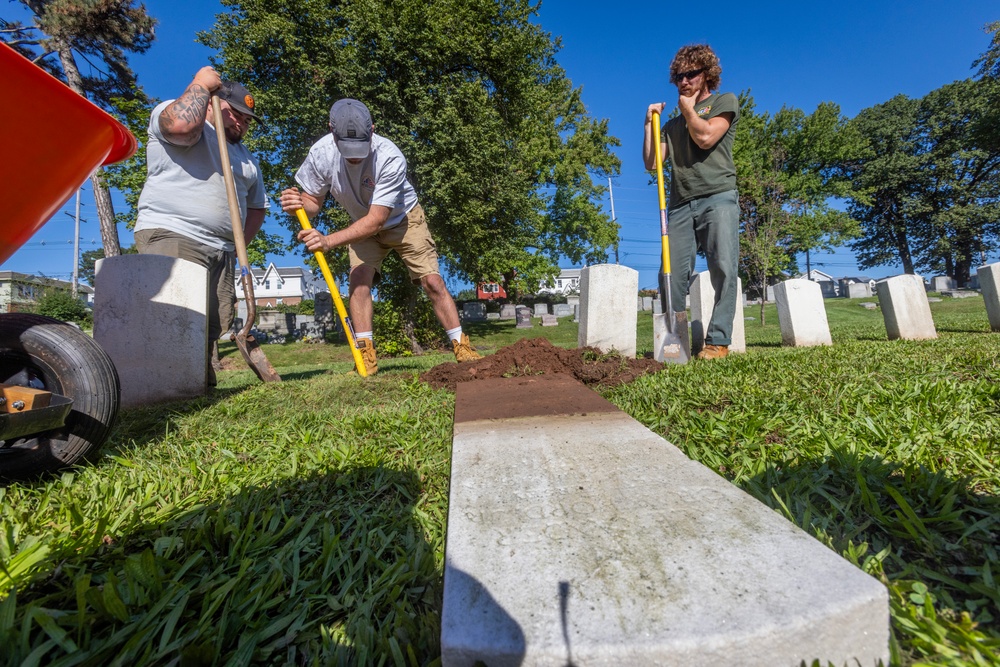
611, 193
76, 246
809, 274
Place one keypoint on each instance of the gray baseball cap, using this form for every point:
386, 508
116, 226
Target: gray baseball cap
239, 98
352, 128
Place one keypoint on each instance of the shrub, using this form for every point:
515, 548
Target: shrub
62, 306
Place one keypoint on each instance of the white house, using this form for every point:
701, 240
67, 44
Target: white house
275, 286
20, 291
568, 282
827, 283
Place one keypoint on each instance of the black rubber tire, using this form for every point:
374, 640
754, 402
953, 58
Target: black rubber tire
48, 354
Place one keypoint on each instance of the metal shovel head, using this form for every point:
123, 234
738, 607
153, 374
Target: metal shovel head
255, 358
671, 343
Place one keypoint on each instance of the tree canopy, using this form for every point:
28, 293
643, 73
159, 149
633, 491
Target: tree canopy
505, 158
928, 188
788, 166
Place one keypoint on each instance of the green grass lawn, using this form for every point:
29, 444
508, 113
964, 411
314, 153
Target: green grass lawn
304, 522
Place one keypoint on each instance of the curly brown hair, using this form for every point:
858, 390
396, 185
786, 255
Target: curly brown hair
698, 56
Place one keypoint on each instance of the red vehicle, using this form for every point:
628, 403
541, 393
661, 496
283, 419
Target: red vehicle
490, 291
59, 391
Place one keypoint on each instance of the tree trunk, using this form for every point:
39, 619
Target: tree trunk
409, 321
763, 295
102, 198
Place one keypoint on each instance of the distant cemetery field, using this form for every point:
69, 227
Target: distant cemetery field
304, 522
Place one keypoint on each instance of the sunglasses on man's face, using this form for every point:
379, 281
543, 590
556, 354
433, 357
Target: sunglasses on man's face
680, 76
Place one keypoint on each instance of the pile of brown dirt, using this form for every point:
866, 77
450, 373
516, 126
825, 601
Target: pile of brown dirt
538, 356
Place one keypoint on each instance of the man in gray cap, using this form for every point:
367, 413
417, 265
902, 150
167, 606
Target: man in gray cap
366, 174
183, 208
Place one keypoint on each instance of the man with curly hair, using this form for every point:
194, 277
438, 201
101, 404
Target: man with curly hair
703, 208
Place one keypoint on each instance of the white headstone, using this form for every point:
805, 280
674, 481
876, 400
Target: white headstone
473, 311
607, 315
508, 311
801, 313
905, 309
942, 283
562, 309
702, 296
858, 290
989, 285
151, 317
541, 309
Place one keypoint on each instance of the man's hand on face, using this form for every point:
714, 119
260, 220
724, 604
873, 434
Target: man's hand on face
686, 102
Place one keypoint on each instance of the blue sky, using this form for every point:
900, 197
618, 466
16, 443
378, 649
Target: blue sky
856, 54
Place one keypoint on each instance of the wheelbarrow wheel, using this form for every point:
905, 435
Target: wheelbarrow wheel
45, 353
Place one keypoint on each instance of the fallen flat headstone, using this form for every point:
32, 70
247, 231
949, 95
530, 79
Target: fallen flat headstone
577, 536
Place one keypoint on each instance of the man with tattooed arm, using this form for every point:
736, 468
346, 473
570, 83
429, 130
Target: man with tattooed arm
183, 209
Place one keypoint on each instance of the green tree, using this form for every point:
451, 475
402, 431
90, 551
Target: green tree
102, 33
928, 187
61, 305
88, 261
887, 180
989, 62
788, 166
506, 161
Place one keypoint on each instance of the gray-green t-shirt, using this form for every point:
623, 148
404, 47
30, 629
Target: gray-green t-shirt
698, 172
184, 191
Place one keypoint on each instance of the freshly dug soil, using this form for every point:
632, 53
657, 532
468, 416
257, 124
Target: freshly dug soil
537, 356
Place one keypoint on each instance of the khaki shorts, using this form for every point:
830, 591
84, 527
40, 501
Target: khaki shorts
410, 239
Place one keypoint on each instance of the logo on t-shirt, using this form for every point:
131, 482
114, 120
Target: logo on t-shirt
368, 183
705, 110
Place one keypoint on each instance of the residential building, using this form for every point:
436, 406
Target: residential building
568, 282
20, 291
275, 286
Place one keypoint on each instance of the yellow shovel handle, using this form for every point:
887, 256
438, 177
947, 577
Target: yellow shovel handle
658, 152
345, 321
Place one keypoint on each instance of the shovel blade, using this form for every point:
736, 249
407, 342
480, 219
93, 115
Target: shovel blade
671, 343
255, 358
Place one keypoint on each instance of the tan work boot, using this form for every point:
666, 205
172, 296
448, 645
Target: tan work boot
464, 350
713, 352
368, 355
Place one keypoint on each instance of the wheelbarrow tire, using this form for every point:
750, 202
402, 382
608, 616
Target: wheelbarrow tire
45, 353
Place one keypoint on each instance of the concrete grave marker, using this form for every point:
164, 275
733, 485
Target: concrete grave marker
524, 318
607, 315
577, 536
942, 283
801, 313
562, 309
549, 320
858, 290
323, 309
492, 316
473, 311
989, 284
905, 309
702, 296
541, 309
151, 317
508, 311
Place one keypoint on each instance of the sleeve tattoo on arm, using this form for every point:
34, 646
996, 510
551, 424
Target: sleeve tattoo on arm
189, 109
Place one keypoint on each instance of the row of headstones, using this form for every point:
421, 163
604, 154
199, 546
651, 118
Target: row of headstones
903, 300
608, 322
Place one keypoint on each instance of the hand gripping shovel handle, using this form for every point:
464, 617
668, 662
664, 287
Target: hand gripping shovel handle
345, 320
249, 348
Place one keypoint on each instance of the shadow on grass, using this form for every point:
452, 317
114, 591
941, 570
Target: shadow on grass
330, 568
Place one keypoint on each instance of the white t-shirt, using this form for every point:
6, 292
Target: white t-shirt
185, 192
380, 179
